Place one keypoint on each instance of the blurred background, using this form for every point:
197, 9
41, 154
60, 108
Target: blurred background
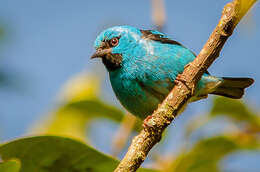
49, 85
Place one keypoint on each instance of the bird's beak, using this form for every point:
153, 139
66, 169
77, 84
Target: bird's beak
101, 53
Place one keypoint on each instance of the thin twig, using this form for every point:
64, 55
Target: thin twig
158, 14
168, 110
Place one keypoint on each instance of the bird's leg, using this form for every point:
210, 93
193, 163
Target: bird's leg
180, 78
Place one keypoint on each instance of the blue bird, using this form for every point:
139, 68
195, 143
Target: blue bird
143, 65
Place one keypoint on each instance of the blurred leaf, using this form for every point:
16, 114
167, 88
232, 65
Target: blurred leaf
52, 153
244, 6
205, 155
10, 166
81, 94
73, 119
236, 110
94, 109
81, 87
195, 123
80, 105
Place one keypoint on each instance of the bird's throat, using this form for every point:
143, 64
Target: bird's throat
112, 61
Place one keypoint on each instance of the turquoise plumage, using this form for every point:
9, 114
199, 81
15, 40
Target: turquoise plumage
143, 65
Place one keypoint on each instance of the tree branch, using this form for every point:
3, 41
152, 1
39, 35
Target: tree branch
168, 110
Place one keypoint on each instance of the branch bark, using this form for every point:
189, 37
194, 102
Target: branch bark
168, 110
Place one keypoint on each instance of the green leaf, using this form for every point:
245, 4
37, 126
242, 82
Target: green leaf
205, 155
234, 109
80, 106
244, 6
81, 95
53, 153
95, 109
10, 166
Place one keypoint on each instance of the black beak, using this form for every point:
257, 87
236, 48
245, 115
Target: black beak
101, 53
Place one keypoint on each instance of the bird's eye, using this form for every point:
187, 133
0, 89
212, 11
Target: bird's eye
113, 42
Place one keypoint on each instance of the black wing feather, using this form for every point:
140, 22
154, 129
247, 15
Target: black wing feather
158, 37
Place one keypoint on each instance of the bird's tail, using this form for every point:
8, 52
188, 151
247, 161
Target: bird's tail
232, 87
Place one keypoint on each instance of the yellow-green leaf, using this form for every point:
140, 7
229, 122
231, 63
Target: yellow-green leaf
80, 104
10, 166
205, 155
236, 110
57, 154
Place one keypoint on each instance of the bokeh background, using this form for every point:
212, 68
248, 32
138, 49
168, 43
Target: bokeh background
46, 44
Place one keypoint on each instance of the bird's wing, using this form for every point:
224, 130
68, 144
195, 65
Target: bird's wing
158, 36
184, 53
159, 89
159, 69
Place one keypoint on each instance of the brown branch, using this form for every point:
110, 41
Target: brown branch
168, 110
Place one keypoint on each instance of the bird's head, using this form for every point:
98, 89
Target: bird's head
115, 42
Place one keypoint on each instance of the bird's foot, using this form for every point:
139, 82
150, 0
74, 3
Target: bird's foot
180, 79
146, 122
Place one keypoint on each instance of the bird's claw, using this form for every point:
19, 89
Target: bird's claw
146, 123
180, 79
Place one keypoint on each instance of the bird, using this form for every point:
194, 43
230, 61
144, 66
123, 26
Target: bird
144, 65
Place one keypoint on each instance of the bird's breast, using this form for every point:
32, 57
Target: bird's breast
138, 97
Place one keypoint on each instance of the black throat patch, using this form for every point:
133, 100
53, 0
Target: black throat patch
112, 61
